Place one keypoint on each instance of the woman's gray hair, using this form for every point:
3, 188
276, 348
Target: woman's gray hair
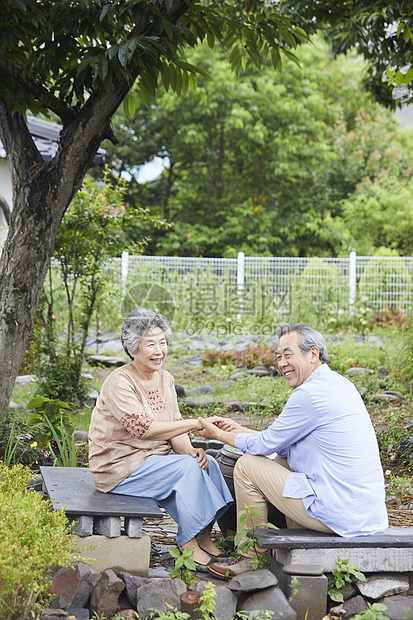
308, 337
137, 323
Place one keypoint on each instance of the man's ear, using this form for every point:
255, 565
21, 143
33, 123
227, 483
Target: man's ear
315, 354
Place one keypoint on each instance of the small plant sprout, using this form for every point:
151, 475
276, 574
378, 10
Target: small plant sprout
373, 612
207, 601
184, 564
342, 574
245, 540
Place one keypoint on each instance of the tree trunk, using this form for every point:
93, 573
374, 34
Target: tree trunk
41, 194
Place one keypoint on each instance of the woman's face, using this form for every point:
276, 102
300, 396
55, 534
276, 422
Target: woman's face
152, 350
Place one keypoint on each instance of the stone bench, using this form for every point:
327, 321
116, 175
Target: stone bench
97, 519
307, 555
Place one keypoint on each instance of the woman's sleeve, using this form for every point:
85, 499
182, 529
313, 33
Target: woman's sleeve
126, 405
170, 398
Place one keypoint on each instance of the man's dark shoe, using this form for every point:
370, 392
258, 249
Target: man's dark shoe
229, 569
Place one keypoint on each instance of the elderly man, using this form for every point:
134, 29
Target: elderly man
327, 474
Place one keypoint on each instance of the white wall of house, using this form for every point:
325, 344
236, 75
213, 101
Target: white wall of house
6, 192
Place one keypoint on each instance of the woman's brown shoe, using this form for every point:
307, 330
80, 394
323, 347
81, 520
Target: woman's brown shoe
229, 569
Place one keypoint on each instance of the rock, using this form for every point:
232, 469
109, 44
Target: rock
384, 397
399, 607
132, 583
106, 360
232, 405
77, 613
225, 600
392, 501
13, 405
105, 594
75, 585
158, 572
125, 614
238, 374
353, 606
199, 401
91, 398
225, 385
348, 591
58, 602
202, 389
262, 372
335, 612
54, 614
271, 599
180, 390
357, 370
193, 361
382, 372
377, 586
81, 436
155, 595
394, 393
252, 581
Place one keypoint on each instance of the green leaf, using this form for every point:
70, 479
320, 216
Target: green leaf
399, 77
210, 39
335, 595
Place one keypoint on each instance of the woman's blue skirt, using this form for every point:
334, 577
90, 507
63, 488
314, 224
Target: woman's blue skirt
194, 497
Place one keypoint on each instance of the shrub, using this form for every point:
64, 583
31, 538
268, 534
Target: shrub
253, 355
33, 539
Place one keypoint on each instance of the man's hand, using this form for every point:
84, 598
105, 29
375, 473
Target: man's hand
210, 427
202, 457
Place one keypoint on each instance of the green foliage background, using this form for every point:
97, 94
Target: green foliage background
269, 163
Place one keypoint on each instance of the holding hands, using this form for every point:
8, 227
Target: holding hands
222, 429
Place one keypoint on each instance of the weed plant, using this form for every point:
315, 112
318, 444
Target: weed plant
396, 441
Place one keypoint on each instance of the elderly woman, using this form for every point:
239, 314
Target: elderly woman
139, 444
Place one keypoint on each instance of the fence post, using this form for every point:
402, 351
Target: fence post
352, 281
125, 269
240, 280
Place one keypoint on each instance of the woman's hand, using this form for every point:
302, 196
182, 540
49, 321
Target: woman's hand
202, 457
225, 424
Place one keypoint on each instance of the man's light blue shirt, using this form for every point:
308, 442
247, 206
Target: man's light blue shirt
326, 434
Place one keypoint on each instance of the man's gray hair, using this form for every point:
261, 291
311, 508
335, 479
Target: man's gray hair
137, 323
308, 337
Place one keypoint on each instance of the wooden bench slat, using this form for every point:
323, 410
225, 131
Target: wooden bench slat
396, 537
72, 488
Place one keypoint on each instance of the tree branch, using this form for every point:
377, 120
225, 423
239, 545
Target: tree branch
37, 90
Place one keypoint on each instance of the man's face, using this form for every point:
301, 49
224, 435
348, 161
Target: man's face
294, 366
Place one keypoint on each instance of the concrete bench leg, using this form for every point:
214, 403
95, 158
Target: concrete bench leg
309, 596
82, 526
107, 526
133, 527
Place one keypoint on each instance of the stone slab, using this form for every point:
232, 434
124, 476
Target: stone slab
122, 554
367, 559
310, 539
72, 488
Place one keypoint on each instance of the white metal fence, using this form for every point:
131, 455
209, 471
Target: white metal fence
264, 286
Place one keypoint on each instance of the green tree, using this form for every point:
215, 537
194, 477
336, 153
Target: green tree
79, 61
257, 161
370, 26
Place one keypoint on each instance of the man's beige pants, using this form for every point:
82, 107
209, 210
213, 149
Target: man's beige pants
258, 479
